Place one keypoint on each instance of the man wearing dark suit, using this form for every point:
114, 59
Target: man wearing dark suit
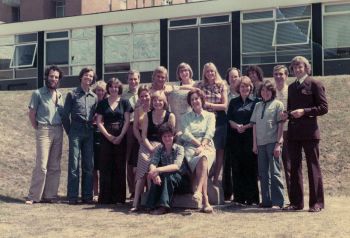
306, 101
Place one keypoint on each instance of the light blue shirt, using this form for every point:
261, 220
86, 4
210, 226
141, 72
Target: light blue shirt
47, 111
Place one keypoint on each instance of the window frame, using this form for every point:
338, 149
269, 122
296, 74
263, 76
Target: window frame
274, 44
14, 52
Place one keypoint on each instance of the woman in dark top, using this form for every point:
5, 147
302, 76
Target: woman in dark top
113, 119
158, 116
239, 147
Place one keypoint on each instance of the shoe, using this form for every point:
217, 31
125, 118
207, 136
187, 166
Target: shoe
276, 207
315, 209
134, 209
29, 202
264, 206
197, 197
207, 208
73, 202
88, 201
159, 211
292, 208
95, 198
52, 200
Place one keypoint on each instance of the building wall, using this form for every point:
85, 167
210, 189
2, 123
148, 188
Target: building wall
94, 6
43, 10
73, 8
5, 13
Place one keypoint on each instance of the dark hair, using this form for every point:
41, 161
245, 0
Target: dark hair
86, 70
200, 94
257, 69
228, 73
269, 85
116, 81
53, 68
165, 128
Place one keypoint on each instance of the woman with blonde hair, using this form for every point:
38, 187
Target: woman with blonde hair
151, 123
215, 91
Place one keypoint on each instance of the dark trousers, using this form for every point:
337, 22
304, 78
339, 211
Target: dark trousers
112, 172
244, 167
227, 182
286, 162
161, 196
311, 149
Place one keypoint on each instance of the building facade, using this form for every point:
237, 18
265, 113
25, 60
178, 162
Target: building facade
219, 31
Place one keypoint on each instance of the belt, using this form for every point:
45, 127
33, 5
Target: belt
49, 125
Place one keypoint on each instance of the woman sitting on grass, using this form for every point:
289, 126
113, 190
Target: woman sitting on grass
166, 172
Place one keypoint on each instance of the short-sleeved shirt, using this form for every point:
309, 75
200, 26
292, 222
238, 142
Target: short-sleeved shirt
213, 94
160, 158
47, 111
116, 115
266, 117
132, 97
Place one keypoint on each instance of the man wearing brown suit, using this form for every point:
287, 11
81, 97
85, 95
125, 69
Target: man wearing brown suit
306, 101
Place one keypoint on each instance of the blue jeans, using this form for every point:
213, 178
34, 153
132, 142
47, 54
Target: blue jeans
80, 147
270, 176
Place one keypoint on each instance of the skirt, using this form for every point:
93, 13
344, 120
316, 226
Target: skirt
144, 160
193, 159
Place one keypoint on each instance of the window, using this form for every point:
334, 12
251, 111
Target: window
276, 35
71, 49
192, 42
292, 33
131, 46
23, 56
59, 7
336, 38
16, 16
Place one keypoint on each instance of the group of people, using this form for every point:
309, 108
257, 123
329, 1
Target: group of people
169, 138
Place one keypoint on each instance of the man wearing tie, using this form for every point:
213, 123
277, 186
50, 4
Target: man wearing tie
306, 101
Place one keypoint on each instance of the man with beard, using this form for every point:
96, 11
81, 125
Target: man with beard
44, 115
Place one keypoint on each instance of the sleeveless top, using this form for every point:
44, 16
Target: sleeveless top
152, 129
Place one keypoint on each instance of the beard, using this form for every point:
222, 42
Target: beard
51, 85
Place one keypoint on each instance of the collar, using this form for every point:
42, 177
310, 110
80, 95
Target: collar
80, 90
173, 148
302, 79
198, 115
266, 102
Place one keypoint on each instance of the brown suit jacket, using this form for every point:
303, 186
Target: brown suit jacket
310, 96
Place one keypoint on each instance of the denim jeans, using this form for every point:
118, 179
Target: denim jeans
270, 176
80, 148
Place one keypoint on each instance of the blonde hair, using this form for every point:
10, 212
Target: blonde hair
160, 69
134, 71
181, 66
159, 95
218, 79
245, 80
279, 67
99, 84
300, 60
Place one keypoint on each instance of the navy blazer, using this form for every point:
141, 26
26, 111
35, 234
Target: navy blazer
310, 96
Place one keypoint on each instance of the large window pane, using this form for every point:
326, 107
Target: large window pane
23, 55
258, 15
184, 50
215, 45
26, 38
257, 37
292, 33
336, 31
338, 7
57, 52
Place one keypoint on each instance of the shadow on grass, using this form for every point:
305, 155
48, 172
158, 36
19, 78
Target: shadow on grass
7, 199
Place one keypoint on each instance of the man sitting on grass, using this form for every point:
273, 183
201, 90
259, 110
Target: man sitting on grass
166, 172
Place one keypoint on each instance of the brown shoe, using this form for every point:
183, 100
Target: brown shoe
159, 211
315, 209
292, 208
